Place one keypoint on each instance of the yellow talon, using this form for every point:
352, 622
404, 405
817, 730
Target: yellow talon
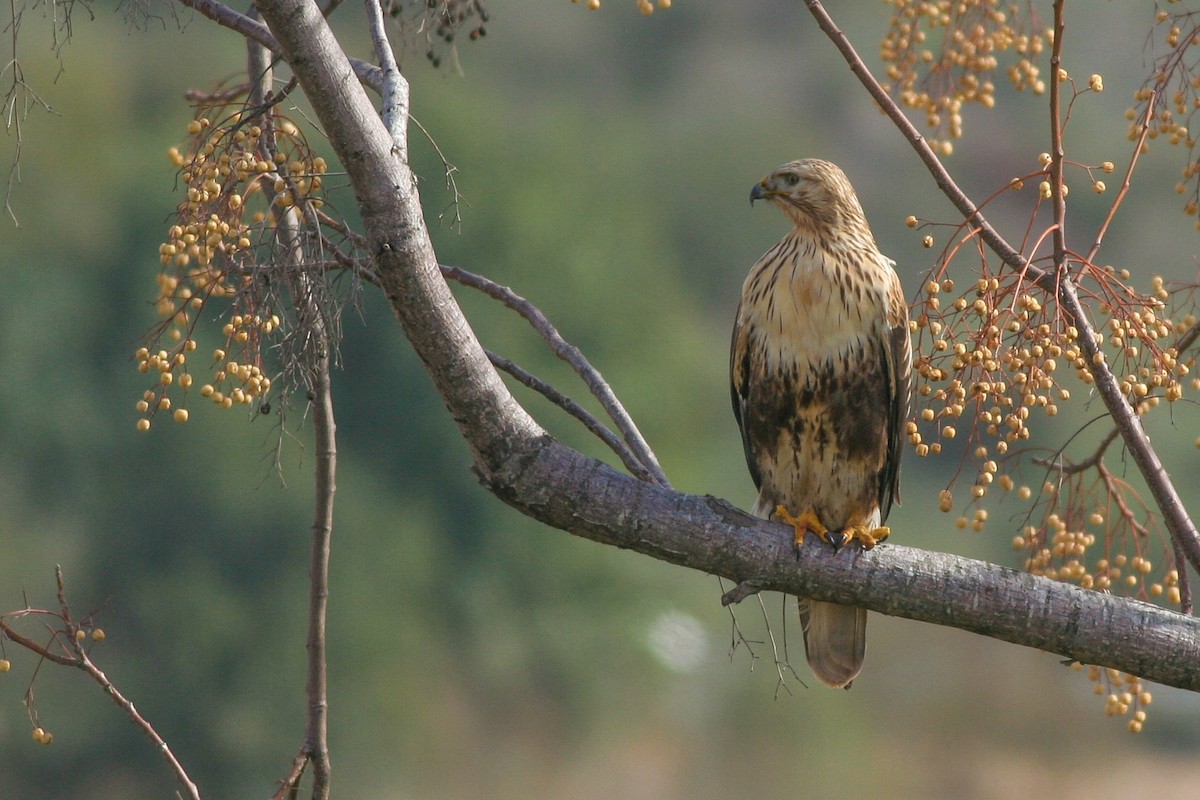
805, 522
867, 537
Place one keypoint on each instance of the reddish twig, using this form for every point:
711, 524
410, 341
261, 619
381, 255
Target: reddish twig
67, 636
313, 323
1125, 184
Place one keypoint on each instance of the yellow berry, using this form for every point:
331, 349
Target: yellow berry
98, 635
80, 635
143, 425
5, 665
181, 415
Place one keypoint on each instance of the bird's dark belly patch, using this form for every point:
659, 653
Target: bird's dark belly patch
841, 403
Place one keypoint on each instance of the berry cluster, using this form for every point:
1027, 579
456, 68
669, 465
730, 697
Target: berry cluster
942, 55
1123, 694
440, 22
1169, 100
232, 172
998, 359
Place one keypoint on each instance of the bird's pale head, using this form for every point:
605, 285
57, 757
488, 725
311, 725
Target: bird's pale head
816, 194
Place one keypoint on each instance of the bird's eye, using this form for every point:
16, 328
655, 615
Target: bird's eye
790, 179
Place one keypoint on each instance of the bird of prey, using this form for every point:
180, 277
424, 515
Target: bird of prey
820, 371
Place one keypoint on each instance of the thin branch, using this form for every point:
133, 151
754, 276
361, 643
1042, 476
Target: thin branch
1058, 197
1117, 496
80, 659
289, 786
317, 738
574, 409
1057, 464
572, 355
311, 322
393, 87
125, 704
29, 644
255, 31
1127, 182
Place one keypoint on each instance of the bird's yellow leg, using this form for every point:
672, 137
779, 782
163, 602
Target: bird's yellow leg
805, 522
866, 535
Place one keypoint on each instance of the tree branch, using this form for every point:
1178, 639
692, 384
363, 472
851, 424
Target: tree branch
572, 355
313, 325
575, 410
529, 470
80, 659
255, 31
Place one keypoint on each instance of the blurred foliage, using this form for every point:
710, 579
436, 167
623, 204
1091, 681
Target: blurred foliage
604, 160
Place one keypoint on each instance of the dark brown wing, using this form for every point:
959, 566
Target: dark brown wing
739, 391
897, 355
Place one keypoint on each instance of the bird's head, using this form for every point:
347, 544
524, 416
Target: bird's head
816, 194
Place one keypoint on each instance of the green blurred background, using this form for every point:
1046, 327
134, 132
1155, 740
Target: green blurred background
605, 160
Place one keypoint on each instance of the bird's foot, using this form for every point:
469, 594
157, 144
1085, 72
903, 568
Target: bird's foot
868, 537
805, 522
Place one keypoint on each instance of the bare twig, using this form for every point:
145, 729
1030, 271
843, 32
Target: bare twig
317, 738
256, 31
572, 355
29, 644
574, 409
1059, 465
393, 87
125, 704
69, 636
313, 324
1125, 184
1058, 197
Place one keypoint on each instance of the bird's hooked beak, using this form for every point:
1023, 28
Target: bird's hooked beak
759, 192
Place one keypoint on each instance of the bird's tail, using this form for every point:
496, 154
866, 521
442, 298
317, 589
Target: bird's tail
835, 640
